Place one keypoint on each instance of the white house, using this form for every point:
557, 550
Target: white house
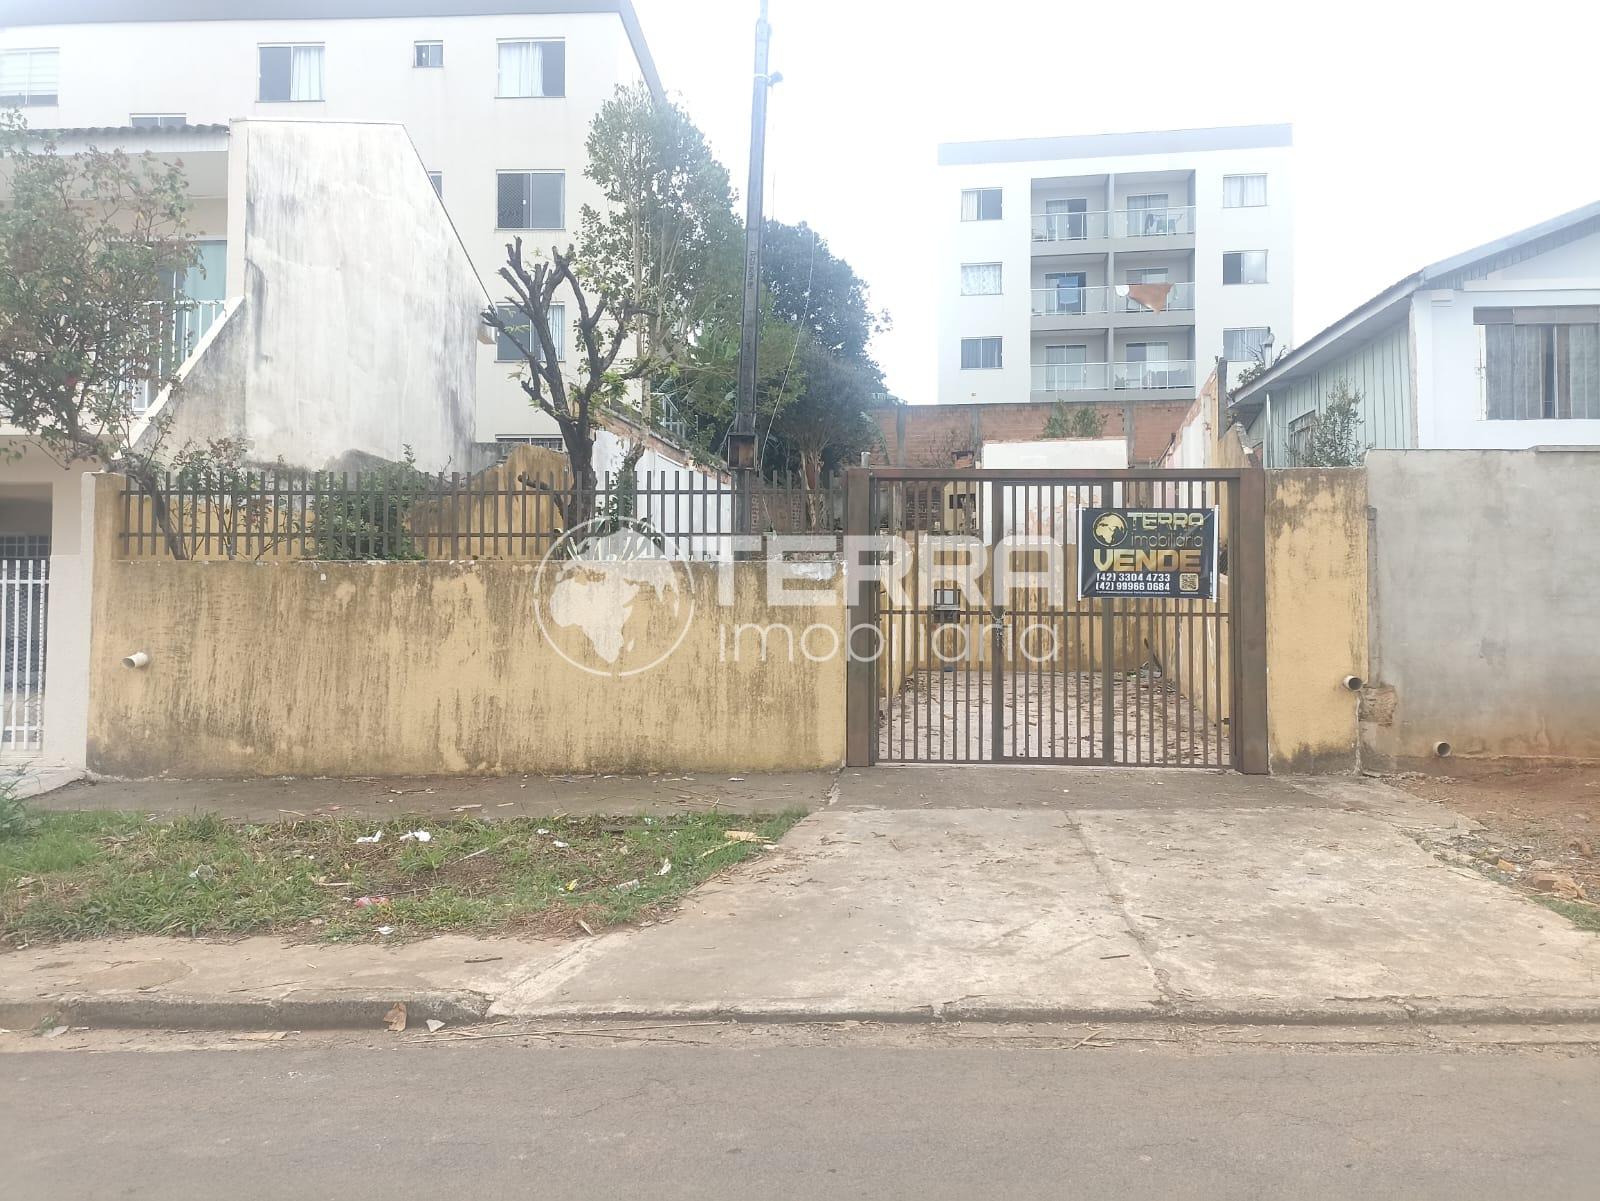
1111, 266
1497, 348
496, 95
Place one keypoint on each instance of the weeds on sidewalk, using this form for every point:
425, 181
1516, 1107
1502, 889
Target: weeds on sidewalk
86, 875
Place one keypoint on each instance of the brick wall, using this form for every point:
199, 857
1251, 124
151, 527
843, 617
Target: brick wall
925, 435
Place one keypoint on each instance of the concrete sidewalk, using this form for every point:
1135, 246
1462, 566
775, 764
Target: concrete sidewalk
1001, 893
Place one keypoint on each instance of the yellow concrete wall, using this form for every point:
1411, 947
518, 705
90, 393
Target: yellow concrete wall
428, 667
1316, 616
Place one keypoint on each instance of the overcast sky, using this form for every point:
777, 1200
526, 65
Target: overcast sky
1420, 129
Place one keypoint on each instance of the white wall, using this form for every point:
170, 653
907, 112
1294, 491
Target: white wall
207, 70
1450, 395
1009, 242
358, 328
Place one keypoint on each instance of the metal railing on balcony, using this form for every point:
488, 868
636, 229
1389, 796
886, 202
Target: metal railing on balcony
1152, 223
1118, 223
1069, 227
1155, 298
1100, 377
1071, 302
178, 326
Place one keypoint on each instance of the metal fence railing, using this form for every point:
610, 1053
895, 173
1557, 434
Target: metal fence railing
508, 512
24, 604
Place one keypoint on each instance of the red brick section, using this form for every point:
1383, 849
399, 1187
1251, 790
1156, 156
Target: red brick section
926, 435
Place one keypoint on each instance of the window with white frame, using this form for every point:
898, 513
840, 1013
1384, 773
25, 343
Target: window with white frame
290, 73
1244, 191
29, 78
980, 354
436, 178
1541, 363
980, 204
532, 68
1246, 345
158, 120
980, 279
1244, 267
508, 346
531, 199
428, 54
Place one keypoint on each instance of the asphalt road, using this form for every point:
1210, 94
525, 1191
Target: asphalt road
496, 1119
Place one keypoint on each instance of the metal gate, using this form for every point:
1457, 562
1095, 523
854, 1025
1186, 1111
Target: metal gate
977, 646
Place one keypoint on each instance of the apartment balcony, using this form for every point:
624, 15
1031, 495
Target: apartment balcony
1095, 233
1159, 379
1119, 305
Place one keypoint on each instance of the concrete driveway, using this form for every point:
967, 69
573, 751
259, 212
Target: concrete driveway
1019, 892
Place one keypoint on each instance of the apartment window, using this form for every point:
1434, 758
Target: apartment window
290, 73
1246, 345
980, 354
1244, 191
507, 347
436, 178
980, 204
1244, 267
1541, 363
428, 54
531, 200
529, 68
28, 78
158, 121
980, 279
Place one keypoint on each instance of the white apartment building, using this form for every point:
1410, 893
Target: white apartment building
1111, 267
496, 95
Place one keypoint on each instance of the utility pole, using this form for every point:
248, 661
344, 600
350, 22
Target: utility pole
742, 437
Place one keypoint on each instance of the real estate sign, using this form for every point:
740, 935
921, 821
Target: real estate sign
1147, 553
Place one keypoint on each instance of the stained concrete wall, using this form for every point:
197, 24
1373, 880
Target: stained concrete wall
1316, 616
431, 667
357, 328
1485, 628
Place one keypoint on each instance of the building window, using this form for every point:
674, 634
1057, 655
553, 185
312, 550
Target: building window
428, 54
1244, 267
1244, 191
290, 73
980, 354
1541, 363
158, 121
436, 178
1246, 345
980, 204
530, 68
508, 347
980, 279
28, 78
531, 200
1301, 429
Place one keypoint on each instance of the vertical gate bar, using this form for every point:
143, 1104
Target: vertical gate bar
996, 717
1058, 647
1248, 601
860, 707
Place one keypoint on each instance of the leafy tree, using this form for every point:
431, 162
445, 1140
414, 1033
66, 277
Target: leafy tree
1074, 421
828, 422
812, 287
1257, 368
87, 242
667, 238
1335, 437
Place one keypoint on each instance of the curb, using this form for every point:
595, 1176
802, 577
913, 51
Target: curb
309, 1011
347, 1011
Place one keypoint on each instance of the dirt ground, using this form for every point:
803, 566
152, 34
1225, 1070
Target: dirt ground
1538, 821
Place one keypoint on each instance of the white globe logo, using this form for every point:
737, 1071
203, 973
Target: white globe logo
609, 599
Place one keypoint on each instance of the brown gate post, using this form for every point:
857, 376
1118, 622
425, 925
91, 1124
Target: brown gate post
860, 671
1248, 587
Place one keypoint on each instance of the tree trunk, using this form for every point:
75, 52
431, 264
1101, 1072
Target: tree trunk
145, 478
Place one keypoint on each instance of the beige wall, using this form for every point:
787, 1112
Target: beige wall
1316, 616
429, 667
